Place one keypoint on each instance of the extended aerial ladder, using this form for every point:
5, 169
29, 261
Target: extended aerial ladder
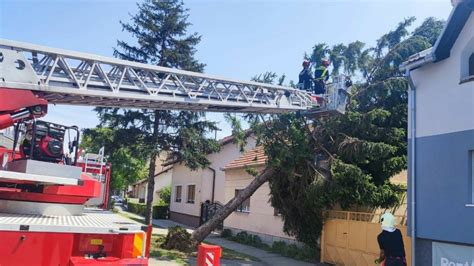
43, 191
74, 78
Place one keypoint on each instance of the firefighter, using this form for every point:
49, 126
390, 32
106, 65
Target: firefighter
321, 76
392, 250
305, 77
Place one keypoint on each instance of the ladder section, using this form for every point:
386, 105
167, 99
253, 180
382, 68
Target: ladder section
94, 164
68, 77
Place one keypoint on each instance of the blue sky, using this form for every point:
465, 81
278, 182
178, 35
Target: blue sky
240, 38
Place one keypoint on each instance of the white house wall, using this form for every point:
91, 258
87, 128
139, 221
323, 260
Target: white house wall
261, 219
444, 142
202, 178
161, 181
183, 177
442, 105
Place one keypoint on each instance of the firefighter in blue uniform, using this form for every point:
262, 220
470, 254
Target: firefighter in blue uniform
305, 78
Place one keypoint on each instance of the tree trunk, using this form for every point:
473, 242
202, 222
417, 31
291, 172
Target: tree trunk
151, 174
204, 230
150, 189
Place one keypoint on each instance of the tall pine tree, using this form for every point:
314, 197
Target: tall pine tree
161, 38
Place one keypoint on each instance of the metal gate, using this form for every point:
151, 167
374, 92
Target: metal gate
208, 210
350, 238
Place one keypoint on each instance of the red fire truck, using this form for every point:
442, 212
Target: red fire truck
45, 188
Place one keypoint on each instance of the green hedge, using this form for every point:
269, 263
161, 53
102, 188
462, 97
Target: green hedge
159, 211
304, 253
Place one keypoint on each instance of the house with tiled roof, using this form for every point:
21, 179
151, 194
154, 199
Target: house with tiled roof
191, 189
256, 216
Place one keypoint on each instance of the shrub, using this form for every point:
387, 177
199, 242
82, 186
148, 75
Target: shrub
161, 212
137, 208
178, 238
241, 237
256, 240
279, 247
226, 233
165, 194
308, 253
292, 251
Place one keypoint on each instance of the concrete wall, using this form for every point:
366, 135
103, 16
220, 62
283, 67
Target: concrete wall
163, 180
261, 217
444, 141
183, 177
202, 178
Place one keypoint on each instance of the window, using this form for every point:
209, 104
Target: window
472, 178
191, 193
177, 196
471, 65
245, 206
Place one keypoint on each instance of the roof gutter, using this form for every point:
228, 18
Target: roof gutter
409, 66
213, 183
412, 160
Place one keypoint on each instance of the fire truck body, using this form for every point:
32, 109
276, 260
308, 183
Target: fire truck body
43, 193
44, 190
96, 237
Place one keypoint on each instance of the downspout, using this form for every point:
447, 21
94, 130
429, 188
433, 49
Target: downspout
412, 165
213, 182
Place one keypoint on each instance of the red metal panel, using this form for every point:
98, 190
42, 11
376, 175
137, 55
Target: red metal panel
18, 99
126, 247
31, 248
89, 189
80, 261
91, 243
107, 186
62, 249
41, 197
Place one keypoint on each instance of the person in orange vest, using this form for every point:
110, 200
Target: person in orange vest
392, 250
321, 76
305, 78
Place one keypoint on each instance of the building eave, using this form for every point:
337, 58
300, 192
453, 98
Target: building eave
454, 26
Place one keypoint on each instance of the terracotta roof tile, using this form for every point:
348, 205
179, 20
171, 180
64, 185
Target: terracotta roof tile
254, 157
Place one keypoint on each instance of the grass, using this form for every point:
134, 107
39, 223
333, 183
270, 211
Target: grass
182, 257
138, 220
173, 255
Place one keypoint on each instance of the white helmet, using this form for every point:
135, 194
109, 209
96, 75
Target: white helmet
388, 221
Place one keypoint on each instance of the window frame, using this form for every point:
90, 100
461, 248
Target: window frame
180, 199
469, 76
242, 208
194, 194
471, 65
471, 203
